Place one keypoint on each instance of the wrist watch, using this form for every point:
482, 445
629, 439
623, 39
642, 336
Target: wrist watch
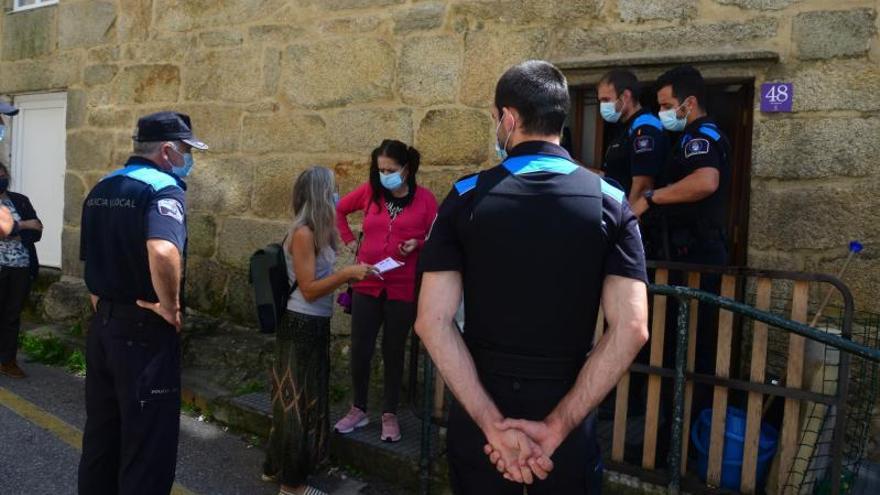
649, 197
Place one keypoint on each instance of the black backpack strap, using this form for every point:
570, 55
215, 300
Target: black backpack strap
295, 282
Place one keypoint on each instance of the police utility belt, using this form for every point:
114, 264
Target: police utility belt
530, 367
128, 312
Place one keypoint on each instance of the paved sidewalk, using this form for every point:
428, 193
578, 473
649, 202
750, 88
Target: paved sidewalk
42, 418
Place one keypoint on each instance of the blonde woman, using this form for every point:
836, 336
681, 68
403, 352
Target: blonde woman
300, 374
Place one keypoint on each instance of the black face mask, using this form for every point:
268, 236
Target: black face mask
4, 184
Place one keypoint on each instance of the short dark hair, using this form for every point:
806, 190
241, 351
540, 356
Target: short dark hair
685, 81
539, 92
623, 80
405, 156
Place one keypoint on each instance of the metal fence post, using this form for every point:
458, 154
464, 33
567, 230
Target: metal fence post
681, 347
425, 460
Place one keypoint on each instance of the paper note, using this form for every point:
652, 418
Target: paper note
387, 265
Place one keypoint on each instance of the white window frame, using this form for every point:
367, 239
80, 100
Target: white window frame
18, 7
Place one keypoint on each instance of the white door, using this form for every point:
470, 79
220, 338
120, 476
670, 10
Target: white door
39, 162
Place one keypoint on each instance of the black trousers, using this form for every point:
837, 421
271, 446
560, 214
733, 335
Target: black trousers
132, 403
368, 315
15, 285
577, 462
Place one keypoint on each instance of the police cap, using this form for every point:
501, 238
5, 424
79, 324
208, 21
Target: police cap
7, 109
167, 126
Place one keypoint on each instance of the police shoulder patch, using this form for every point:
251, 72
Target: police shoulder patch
643, 144
695, 147
171, 208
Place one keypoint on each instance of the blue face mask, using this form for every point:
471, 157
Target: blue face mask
501, 151
608, 110
335, 198
671, 121
2, 132
188, 162
392, 182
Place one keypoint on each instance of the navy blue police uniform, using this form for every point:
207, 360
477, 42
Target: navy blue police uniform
641, 148
697, 234
133, 354
533, 239
697, 230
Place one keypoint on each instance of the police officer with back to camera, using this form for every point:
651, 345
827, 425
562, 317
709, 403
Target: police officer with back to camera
532, 244
694, 199
133, 243
7, 223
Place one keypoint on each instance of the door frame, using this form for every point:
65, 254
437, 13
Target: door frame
741, 150
37, 101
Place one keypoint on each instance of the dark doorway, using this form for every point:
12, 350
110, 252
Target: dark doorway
729, 102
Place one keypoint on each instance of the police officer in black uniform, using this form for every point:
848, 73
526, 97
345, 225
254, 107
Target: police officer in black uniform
532, 243
635, 156
133, 243
694, 199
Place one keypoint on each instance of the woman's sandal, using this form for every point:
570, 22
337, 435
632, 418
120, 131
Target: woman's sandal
310, 490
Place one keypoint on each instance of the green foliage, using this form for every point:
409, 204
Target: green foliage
47, 350
76, 363
76, 330
50, 350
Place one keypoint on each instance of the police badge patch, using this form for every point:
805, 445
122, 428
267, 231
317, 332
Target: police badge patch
696, 147
643, 144
171, 208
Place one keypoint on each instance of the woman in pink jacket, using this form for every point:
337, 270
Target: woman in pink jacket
397, 218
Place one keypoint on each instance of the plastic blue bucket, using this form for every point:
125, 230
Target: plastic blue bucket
734, 441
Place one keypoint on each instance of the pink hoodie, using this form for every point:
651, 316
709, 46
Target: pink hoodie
382, 236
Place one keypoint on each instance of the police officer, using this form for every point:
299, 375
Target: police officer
635, 156
6, 220
133, 242
532, 244
695, 197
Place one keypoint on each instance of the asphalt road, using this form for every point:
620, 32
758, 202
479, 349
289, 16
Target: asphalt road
41, 418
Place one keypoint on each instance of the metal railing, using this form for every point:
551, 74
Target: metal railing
681, 374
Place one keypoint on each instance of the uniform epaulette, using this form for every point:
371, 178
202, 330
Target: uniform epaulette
467, 184
147, 175
647, 119
609, 190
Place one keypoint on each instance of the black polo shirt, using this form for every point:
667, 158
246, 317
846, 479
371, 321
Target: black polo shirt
641, 147
702, 144
124, 210
534, 238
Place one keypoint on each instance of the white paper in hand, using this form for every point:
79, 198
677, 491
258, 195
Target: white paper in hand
387, 265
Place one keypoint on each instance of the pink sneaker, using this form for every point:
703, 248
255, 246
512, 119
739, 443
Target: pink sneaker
354, 419
390, 428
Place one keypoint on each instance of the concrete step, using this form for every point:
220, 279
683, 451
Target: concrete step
362, 450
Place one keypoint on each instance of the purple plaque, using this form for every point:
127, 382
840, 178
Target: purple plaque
776, 97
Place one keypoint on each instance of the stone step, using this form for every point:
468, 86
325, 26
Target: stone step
397, 463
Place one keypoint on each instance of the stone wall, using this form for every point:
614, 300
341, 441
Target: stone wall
277, 85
